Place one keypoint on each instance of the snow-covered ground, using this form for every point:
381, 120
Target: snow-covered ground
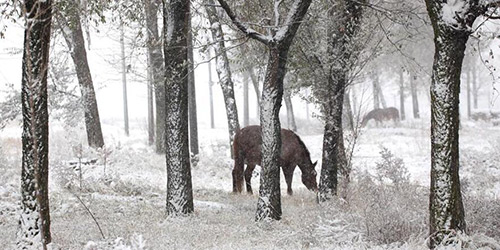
127, 196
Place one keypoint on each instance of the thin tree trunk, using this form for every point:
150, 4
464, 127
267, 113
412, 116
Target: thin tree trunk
376, 95
402, 95
155, 64
255, 84
307, 104
210, 91
475, 87
468, 94
193, 120
73, 34
179, 184
124, 78
348, 111
246, 115
289, 112
414, 96
151, 118
34, 220
224, 71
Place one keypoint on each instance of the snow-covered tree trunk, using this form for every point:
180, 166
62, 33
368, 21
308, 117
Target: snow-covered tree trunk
340, 47
224, 71
179, 184
124, 77
452, 23
414, 95
155, 64
193, 119
289, 112
210, 92
269, 203
402, 94
73, 34
34, 220
151, 116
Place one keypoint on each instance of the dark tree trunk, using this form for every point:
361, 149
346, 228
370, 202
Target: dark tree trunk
414, 96
246, 115
224, 71
76, 45
289, 112
193, 119
445, 203
34, 221
179, 185
339, 51
155, 64
124, 78
402, 95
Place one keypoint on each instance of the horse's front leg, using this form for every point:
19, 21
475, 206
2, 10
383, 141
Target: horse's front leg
248, 177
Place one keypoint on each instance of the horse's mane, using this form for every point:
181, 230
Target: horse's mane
301, 143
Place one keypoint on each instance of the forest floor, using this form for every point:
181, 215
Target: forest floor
125, 191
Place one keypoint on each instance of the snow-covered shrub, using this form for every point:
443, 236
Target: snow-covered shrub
392, 168
135, 242
388, 213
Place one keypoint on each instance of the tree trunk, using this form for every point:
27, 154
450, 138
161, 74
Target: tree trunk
289, 112
445, 204
402, 95
414, 95
348, 111
193, 120
155, 64
339, 50
246, 115
34, 220
381, 93
179, 184
376, 95
211, 93
269, 203
224, 71
151, 118
124, 78
76, 44
255, 84
475, 87
468, 94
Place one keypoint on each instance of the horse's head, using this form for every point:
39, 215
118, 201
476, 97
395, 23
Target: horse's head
309, 176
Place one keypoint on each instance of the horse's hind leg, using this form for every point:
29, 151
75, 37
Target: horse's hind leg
248, 177
288, 172
238, 173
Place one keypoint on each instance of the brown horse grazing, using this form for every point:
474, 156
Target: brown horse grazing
247, 149
380, 115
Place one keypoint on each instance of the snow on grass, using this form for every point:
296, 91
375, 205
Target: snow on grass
128, 200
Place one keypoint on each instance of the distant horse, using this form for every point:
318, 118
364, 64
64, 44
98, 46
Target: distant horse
247, 149
380, 115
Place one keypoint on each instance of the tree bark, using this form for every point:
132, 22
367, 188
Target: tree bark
402, 95
34, 220
348, 111
414, 96
179, 184
151, 118
376, 95
339, 50
155, 64
223, 71
193, 119
445, 202
210, 91
124, 78
255, 84
289, 112
76, 44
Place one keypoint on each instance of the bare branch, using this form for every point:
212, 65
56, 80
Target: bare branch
242, 27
